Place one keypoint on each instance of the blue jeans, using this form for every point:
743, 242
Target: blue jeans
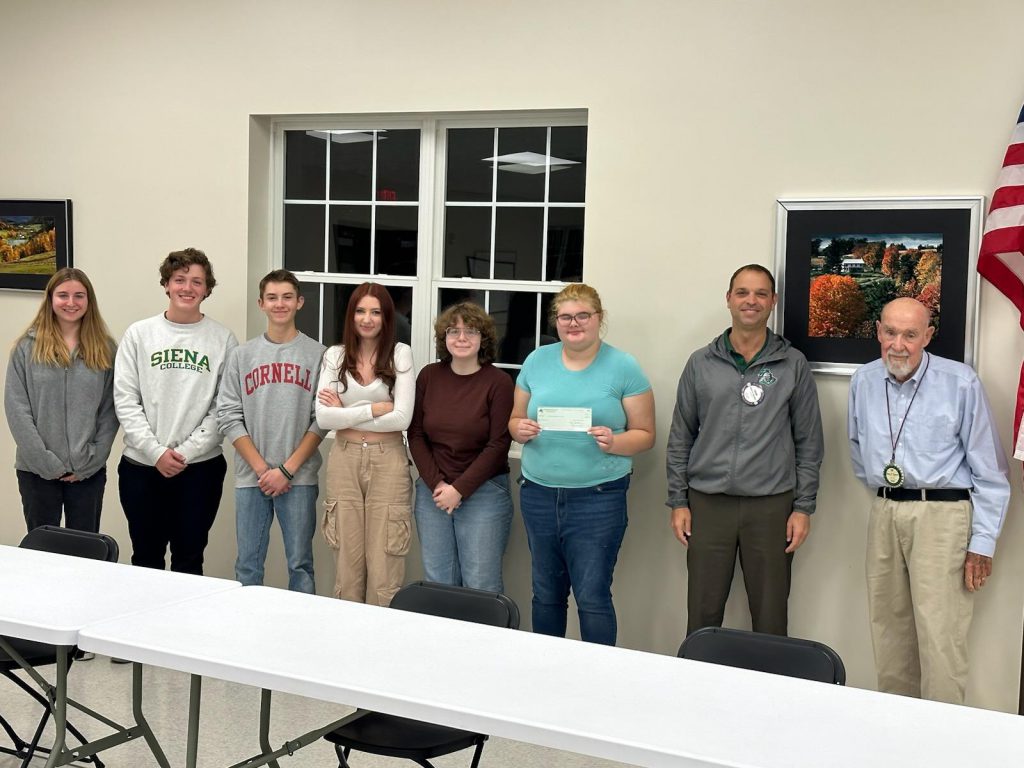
574, 536
296, 514
466, 547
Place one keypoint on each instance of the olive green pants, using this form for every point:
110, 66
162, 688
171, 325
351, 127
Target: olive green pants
754, 527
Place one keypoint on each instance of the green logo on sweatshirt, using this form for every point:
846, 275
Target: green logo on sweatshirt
186, 359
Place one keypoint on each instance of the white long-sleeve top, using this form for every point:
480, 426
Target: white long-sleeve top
165, 388
357, 400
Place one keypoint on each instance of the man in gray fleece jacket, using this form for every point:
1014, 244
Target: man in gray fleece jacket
743, 457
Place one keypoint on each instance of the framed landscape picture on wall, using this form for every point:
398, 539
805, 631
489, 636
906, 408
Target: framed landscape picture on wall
839, 261
35, 241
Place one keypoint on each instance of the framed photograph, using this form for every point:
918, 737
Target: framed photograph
839, 261
35, 241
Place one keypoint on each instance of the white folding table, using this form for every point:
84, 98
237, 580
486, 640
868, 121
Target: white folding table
633, 707
49, 598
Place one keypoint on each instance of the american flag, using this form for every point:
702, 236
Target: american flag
1001, 258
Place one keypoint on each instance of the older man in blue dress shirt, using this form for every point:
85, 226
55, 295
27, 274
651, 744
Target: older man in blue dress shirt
922, 436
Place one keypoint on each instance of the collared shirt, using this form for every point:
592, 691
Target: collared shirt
739, 360
949, 439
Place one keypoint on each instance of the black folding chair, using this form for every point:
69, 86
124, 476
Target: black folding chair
64, 541
392, 736
789, 656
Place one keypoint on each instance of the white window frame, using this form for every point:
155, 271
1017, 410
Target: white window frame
429, 279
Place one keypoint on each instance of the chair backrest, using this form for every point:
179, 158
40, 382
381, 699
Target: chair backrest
790, 656
462, 603
68, 541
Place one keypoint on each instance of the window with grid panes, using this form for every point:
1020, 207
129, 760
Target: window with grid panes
437, 210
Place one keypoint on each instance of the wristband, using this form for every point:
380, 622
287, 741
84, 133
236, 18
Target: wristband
286, 473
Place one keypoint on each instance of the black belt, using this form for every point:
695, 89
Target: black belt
925, 494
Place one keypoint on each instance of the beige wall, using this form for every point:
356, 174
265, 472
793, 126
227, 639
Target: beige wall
701, 115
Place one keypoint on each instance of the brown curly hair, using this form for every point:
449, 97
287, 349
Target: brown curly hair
473, 316
183, 260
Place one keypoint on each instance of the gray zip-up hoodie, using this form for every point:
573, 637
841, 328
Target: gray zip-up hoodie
719, 444
62, 419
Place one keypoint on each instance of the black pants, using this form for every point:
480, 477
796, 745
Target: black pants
44, 500
177, 511
755, 528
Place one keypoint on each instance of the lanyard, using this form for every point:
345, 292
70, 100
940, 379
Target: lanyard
906, 415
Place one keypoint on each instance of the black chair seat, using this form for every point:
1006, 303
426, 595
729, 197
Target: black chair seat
778, 655
392, 736
401, 737
62, 541
36, 654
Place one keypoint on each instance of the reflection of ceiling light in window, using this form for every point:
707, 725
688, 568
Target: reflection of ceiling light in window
529, 162
346, 137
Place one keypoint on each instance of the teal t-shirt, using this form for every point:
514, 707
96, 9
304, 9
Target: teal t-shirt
572, 459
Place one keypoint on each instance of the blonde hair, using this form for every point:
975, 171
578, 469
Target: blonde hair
580, 292
95, 345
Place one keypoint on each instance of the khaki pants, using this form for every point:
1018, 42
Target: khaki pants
920, 610
368, 518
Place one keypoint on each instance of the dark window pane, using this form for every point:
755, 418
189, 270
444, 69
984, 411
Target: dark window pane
398, 165
449, 296
396, 240
565, 244
548, 333
351, 165
305, 165
308, 318
350, 239
304, 237
467, 242
515, 319
521, 160
336, 299
568, 181
469, 174
518, 237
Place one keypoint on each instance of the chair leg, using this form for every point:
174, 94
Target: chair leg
343, 753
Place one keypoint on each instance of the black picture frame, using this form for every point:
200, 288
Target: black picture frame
956, 221
25, 221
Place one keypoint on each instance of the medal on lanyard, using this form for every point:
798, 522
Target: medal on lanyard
892, 472
752, 394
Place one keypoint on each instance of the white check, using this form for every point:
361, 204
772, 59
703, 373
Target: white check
564, 419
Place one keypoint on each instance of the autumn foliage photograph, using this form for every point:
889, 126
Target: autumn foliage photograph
28, 245
854, 275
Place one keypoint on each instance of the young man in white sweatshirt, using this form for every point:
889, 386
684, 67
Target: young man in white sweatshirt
266, 409
166, 376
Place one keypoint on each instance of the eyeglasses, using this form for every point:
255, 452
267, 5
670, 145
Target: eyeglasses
454, 333
581, 318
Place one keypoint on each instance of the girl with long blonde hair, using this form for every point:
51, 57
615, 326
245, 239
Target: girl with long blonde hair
59, 401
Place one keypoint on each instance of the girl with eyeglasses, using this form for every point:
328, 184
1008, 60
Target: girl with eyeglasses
577, 457
365, 394
59, 399
459, 441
